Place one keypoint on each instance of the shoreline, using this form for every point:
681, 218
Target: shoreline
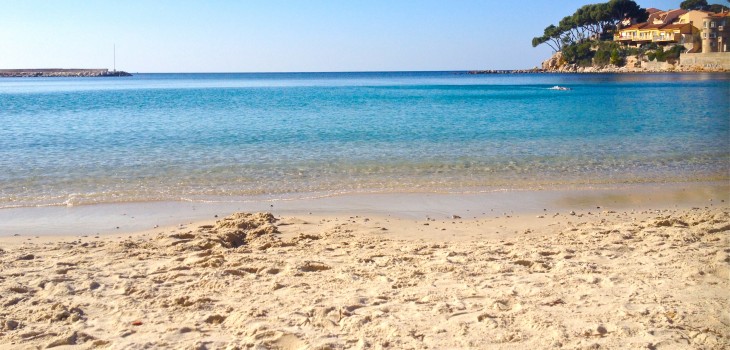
130, 217
593, 70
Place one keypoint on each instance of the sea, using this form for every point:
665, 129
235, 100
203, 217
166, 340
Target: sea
237, 136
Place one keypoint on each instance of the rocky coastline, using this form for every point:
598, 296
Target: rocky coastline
598, 70
58, 72
633, 64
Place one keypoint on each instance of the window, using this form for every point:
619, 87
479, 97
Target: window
704, 23
713, 35
704, 35
712, 24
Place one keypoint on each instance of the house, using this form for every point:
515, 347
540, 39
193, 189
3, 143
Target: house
715, 32
694, 18
661, 27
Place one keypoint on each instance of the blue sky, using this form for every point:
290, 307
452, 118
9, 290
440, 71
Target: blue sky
276, 36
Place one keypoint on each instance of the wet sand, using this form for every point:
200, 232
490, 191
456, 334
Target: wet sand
135, 217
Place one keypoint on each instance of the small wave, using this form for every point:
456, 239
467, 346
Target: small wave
72, 200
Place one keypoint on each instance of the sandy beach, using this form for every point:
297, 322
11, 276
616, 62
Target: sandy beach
589, 278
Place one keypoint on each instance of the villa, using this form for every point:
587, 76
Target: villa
698, 31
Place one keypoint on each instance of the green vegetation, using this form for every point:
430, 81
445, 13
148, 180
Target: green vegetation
603, 53
670, 55
616, 58
702, 5
694, 5
589, 22
599, 53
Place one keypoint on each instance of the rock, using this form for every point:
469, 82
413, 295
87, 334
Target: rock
11, 325
553, 63
633, 62
23, 73
215, 319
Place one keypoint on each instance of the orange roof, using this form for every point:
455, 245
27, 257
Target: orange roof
654, 26
671, 15
675, 26
634, 26
653, 16
665, 17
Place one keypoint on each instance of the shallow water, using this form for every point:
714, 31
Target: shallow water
209, 137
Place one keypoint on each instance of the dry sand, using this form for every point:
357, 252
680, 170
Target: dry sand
609, 280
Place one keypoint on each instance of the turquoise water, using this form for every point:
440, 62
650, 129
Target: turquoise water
69, 141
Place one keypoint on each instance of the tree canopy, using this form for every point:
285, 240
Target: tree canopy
702, 5
694, 5
717, 8
589, 21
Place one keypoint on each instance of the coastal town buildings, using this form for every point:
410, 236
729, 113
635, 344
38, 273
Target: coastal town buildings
662, 27
698, 31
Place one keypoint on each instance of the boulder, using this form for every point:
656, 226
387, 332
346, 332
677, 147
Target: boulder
554, 62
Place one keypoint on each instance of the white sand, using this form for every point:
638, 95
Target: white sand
614, 280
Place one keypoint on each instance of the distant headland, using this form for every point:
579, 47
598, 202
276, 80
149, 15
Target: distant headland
621, 37
59, 72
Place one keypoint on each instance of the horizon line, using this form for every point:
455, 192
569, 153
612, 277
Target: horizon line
280, 72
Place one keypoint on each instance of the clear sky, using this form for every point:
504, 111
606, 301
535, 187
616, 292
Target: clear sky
277, 35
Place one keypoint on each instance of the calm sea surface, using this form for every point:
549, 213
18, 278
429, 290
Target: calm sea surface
70, 141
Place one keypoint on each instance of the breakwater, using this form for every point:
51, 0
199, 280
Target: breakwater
505, 71
59, 72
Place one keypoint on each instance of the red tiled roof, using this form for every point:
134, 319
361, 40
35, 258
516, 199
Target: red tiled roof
636, 26
670, 15
679, 12
654, 26
654, 16
675, 26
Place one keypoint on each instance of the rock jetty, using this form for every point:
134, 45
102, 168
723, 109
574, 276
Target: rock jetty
505, 71
58, 72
